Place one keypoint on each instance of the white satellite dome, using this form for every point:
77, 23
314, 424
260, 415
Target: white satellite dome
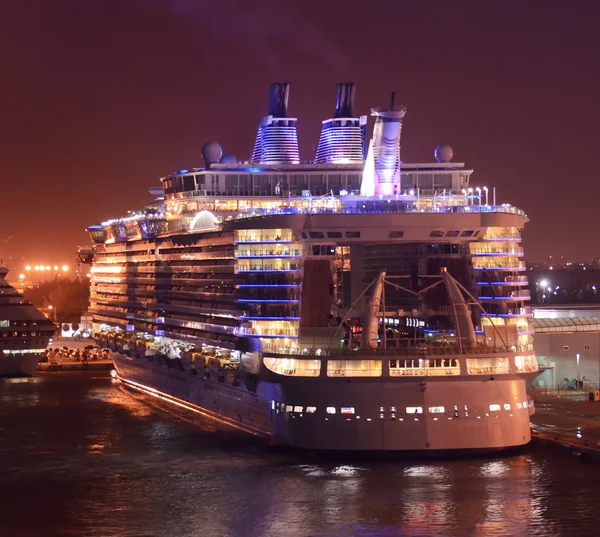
443, 153
211, 153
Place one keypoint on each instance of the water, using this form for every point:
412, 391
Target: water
81, 456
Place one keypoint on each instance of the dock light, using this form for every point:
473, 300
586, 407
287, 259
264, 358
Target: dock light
21, 277
48, 267
28, 268
65, 268
543, 283
55, 267
37, 267
42, 268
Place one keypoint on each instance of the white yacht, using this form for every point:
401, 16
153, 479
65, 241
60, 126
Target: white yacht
353, 302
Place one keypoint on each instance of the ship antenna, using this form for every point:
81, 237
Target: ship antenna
392, 100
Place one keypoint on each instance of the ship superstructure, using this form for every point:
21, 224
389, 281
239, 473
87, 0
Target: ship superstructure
24, 332
324, 303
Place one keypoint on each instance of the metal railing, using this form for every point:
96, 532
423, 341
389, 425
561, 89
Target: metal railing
359, 209
419, 351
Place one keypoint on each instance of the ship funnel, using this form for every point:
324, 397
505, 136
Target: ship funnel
382, 170
344, 99
278, 99
277, 139
343, 136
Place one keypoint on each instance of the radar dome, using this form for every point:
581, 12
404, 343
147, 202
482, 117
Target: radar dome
211, 153
228, 159
443, 153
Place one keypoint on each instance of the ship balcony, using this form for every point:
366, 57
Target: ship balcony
507, 280
512, 296
521, 266
519, 252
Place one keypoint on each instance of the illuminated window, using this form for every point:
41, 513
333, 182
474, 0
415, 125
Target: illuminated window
330, 410
437, 409
311, 409
506, 406
289, 408
4, 324
519, 404
347, 410
494, 408
298, 409
414, 410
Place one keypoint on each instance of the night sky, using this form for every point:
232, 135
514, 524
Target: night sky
99, 98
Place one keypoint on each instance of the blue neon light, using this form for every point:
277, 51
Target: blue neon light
509, 315
275, 301
271, 270
504, 297
499, 268
263, 242
501, 283
183, 171
268, 285
267, 256
252, 170
480, 254
261, 318
271, 336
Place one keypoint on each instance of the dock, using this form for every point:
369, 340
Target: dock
64, 361
568, 422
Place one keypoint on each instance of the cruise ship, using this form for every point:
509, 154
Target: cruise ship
348, 302
24, 332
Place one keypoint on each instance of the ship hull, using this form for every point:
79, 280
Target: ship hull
379, 420
19, 365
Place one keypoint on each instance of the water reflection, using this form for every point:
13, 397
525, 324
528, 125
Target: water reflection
100, 461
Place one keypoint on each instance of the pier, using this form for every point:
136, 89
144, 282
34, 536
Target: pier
74, 355
570, 422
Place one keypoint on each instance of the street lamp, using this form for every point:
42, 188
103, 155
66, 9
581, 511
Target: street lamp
478, 190
578, 356
485, 189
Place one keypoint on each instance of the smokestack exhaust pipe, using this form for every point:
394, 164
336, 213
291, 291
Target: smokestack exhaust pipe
278, 99
344, 99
